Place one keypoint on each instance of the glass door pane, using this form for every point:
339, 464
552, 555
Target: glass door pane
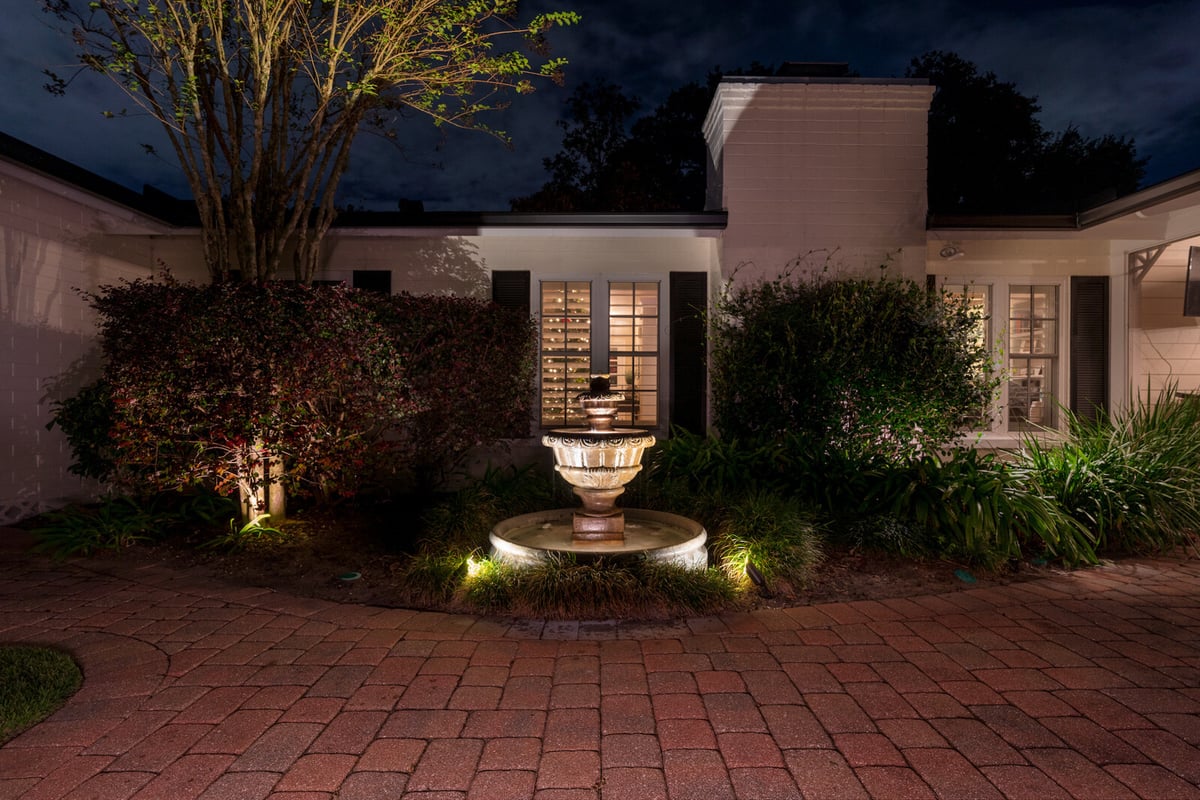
633, 349
566, 331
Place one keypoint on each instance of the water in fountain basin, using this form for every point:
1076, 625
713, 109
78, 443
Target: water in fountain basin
532, 538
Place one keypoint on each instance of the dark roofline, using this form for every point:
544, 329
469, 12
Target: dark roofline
1031, 222
706, 220
806, 79
182, 213
1163, 192
151, 202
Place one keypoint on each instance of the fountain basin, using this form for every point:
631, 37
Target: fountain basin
530, 539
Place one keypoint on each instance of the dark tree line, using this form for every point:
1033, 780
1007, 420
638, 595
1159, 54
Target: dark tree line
988, 153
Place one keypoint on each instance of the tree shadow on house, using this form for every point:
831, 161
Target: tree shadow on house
48, 359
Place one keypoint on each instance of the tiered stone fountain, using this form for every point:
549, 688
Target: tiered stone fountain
598, 462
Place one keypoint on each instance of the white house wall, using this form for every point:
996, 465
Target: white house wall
56, 240
425, 262
832, 168
1166, 343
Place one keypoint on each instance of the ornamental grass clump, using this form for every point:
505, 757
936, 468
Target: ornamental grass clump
767, 539
1133, 480
563, 587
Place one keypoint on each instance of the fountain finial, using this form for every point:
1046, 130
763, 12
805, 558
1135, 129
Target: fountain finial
600, 404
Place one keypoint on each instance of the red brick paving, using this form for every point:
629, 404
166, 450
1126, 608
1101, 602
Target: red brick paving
1080, 686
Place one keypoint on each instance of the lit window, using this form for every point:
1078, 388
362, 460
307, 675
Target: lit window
566, 318
1032, 356
633, 349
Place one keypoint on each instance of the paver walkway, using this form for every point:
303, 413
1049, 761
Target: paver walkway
1085, 685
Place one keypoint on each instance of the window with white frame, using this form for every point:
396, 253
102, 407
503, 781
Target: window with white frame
1030, 343
570, 329
1033, 350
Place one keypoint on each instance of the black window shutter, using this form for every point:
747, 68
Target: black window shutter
373, 280
510, 288
689, 357
1089, 346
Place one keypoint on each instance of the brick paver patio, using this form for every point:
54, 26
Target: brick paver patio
1084, 685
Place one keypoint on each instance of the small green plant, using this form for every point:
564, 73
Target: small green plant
432, 576
715, 466
693, 592
81, 530
768, 538
34, 683
488, 584
886, 532
251, 534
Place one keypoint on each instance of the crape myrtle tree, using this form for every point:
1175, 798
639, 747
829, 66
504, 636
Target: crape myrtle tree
262, 99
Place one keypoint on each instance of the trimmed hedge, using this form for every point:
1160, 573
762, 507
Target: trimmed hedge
203, 384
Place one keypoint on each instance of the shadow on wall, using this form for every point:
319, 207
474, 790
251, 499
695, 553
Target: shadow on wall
434, 265
46, 361
453, 264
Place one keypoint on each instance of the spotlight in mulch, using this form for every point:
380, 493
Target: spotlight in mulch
348, 577
759, 580
964, 576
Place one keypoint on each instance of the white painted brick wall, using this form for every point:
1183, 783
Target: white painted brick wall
836, 167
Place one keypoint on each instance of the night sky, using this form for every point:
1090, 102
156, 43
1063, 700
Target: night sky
1125, 68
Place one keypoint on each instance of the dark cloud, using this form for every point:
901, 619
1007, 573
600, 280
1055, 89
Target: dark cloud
1106, 66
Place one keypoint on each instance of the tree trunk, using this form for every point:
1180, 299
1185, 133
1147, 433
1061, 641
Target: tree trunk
261, 490
276, 494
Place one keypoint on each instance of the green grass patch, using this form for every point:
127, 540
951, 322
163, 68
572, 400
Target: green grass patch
34, 683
